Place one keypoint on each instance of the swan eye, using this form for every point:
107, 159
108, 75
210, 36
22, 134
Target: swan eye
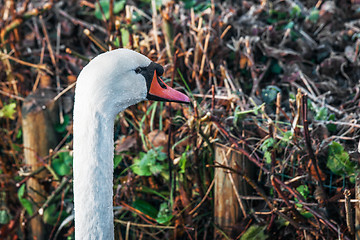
139, 70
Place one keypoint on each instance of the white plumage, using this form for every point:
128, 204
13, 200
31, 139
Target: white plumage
107, 85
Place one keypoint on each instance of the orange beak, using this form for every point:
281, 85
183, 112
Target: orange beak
159, 91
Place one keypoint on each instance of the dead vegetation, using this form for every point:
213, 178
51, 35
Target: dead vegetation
277, 81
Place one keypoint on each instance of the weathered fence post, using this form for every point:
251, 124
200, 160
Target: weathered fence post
39, 115
229, 208
357, 208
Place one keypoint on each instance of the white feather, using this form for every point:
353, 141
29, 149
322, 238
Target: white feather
106, 86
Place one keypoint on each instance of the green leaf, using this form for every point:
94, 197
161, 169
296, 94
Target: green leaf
286, 138
290, 25
322, 114
310, 105
50, 215
338, 160
352, 178
161, 156
105, 5
145, 189
331, 127
267, 156
150, 163
118, 6
276, 69
60, 128
16, 147
307, 214
125, 36
198, 7
4, 217
182, 162
62, 165
140, 169
164, 215
269, 93
314, 15
116, 42
24, 202
292, 96
145, 208
268, 143
117, 160
295, 11
280, 222
254, 232
156, 169
19, 134
303, 190
8, 111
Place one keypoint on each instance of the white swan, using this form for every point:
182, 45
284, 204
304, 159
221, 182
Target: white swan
110, 83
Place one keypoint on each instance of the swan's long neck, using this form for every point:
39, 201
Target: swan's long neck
93, 171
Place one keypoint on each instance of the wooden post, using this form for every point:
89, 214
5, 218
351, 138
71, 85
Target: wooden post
229, 208
39, 115
357, 208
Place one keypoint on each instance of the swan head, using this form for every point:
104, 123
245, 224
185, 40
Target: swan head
120, 78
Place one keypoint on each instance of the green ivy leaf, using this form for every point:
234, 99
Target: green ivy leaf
164, 215
105, 5
197, 6
4, 217
60, 128
254, 232
50, 215
331, 127
150, 163
290, 25
276, 69
161, 156
295, 11
268, 143
303, 190
62, 165
140, 169
269, 93
156, 169
338, 160
314, 15
19, 134
267, 156
24, 202
286, 138
8, 111
145, 208
307, 214
117, 160
322, 114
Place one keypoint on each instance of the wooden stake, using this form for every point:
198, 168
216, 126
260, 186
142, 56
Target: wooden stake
228, 206
357, 208
39, 116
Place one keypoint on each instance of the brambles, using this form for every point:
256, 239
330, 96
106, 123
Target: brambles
276, 81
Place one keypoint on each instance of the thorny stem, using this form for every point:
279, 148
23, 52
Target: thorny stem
261, 193
286, 200
63, 183
260, 165
308, 141
172, 179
